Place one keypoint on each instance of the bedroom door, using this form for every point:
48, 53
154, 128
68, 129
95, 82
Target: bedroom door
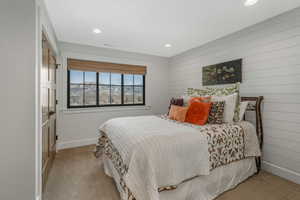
48, 101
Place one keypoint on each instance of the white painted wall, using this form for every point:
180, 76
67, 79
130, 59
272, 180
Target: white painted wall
76, 127
271, 67
17, 86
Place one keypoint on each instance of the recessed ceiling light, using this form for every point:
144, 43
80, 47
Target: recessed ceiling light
168, 45
250, 2
97, 31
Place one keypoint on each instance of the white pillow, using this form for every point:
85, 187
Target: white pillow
230, 104
243, 108
186, 99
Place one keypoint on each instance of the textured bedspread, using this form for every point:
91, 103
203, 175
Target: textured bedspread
154, 153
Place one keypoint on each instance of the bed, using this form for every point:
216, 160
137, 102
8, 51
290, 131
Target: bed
155, 158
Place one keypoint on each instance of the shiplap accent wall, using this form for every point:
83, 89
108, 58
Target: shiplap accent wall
271, 68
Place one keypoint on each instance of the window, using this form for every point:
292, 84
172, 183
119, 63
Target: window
97, 89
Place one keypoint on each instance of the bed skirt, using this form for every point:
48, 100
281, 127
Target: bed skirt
207, 187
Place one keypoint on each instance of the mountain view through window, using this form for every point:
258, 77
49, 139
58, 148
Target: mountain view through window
92, 89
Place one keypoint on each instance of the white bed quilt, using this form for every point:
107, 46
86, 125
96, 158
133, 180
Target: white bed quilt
156, 152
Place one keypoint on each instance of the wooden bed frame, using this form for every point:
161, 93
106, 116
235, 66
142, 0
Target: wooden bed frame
255, 106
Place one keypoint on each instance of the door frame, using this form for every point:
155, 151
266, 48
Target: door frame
43, 25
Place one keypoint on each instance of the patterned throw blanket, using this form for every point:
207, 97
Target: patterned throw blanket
226, 144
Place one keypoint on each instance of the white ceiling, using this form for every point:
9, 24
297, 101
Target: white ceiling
145, 26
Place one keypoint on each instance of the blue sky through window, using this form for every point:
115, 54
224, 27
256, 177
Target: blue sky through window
90, 77
138, 79
104, 78
116, 79
128, 79
76, 76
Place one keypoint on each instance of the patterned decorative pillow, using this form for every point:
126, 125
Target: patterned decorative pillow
216, 91
216, 114
176, 102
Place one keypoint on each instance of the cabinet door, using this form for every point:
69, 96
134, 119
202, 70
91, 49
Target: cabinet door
52, 68
48, 106
52, 118
45, 144
52, 136
45, 153
45, 61
45, 103
44, 81
52, 103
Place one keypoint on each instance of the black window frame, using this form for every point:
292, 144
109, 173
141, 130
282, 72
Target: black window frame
97, 92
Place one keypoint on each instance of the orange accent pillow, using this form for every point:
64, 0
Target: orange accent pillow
198, 113
178, 113
199, 99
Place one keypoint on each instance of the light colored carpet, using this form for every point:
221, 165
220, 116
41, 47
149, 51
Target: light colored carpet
77, 175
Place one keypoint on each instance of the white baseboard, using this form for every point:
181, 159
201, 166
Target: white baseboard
76, 143
282, 172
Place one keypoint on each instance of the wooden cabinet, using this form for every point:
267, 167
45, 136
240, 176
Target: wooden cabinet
48, 104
